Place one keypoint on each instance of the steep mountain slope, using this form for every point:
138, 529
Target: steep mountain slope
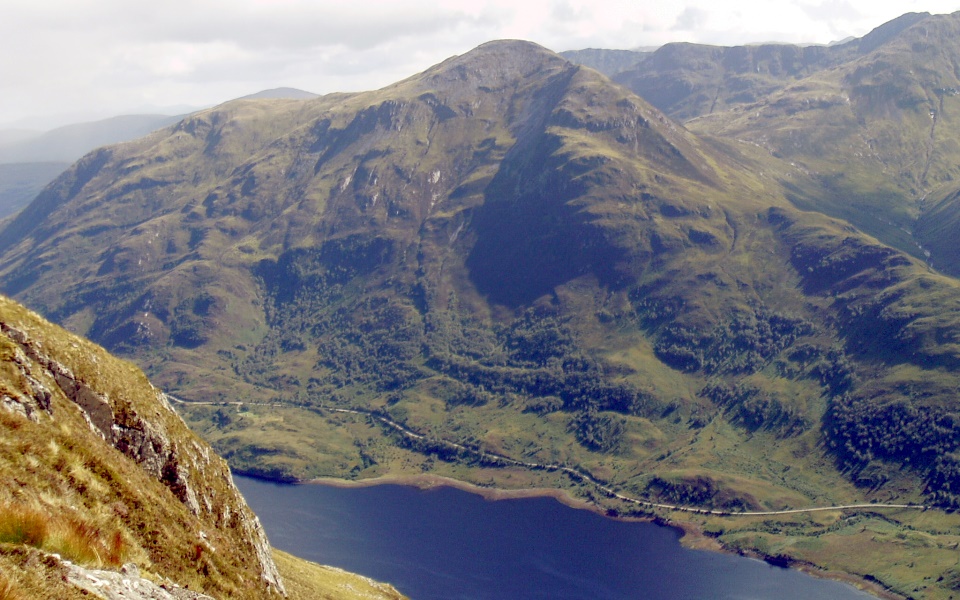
99, 471
862, 131
90, 445
511, 253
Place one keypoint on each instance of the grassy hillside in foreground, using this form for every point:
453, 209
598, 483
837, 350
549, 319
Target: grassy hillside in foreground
99, 471
305, 580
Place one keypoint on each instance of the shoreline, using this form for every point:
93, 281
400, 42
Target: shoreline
427, 481
690, 536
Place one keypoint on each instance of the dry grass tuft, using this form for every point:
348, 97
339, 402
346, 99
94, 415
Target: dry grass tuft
22, 525
69, 536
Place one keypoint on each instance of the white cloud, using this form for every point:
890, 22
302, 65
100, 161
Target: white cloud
112, 56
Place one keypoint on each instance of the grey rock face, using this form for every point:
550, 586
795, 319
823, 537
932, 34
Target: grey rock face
181, 462
125, 585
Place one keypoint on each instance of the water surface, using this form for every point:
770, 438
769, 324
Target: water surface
447, 544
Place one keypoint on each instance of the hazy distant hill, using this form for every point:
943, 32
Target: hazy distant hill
515, 254
9, 136
693, 80
20, 183
31, 160
68, 143
868, 125
281, 94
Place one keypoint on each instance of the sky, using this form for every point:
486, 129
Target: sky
64, 61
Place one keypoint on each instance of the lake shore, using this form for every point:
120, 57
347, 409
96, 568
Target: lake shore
690, 534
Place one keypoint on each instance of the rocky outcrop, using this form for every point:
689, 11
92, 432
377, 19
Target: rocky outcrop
124, 585
145, 430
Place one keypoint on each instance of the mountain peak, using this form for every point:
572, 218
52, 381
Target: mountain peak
280, 93
889, 30
497, 62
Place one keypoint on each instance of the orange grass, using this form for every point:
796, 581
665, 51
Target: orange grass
69, 536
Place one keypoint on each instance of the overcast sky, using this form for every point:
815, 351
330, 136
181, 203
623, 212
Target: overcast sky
84, 59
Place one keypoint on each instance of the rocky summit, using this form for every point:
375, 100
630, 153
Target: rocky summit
510, 261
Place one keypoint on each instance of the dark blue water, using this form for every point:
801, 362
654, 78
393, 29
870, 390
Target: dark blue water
446, 544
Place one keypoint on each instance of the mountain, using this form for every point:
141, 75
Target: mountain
102, 481
281, 93
693, 80
508, 268
867, 127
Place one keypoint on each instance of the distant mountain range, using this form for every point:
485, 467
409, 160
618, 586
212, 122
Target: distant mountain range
29, 160
69, 143
724, 279
867, 123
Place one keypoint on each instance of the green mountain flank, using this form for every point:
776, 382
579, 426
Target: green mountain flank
510, 261
868, 128
104, 485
